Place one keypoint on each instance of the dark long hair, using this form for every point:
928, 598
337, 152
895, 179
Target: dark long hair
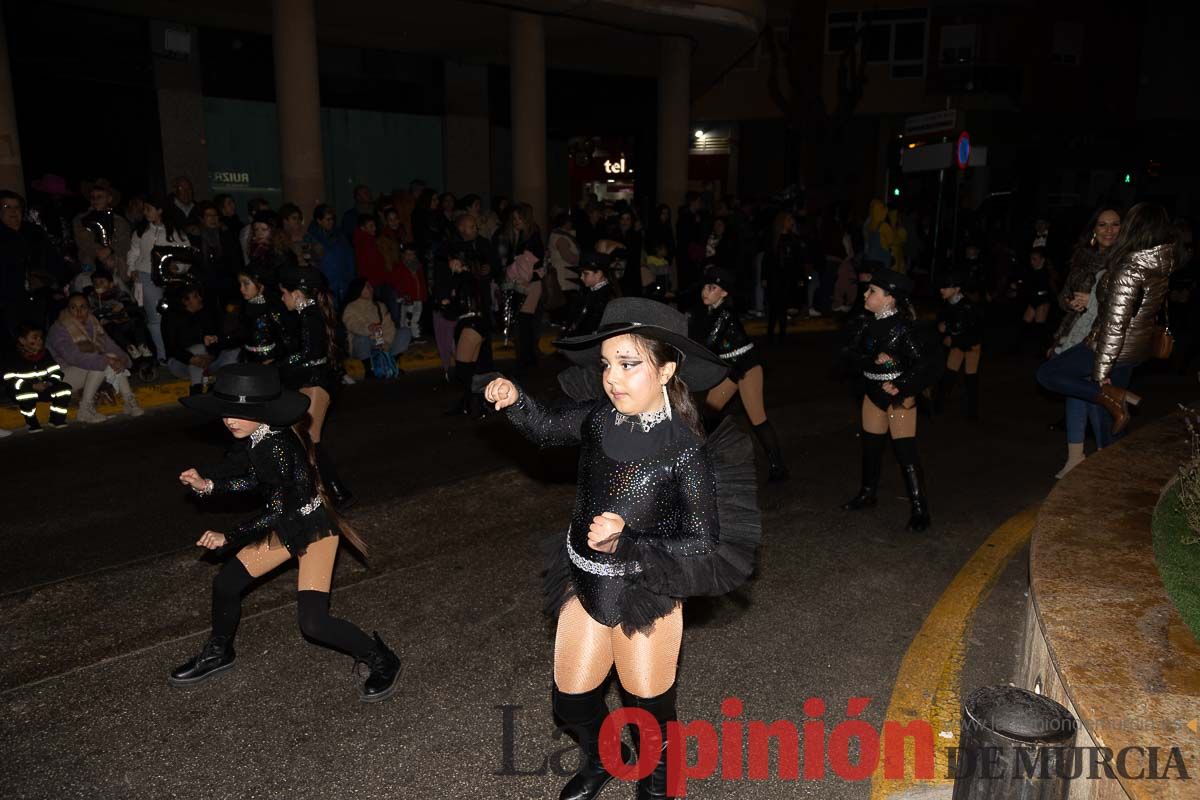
660, 353
164, 210
1085, 250
324, 301
340, 523
1146, 225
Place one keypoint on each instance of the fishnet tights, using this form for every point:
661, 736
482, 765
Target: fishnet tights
585, 651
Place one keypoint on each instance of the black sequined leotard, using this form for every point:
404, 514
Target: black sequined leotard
273, 461
661, 482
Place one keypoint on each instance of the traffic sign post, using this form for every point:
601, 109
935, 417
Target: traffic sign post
962, 150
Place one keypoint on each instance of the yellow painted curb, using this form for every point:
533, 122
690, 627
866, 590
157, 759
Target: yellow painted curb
928, 686
419, 357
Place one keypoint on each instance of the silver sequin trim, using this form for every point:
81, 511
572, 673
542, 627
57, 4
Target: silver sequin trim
258, 300
305, 303
260, 433
596, 568
882, 376
888, 313
263, 349
310, 507
645, 421
735, 353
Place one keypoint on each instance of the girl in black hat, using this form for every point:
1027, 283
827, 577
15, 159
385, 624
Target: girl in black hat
310, 359
650, 526
297, 521
262, 317
898, 363
720, 329
960, 322
596, 293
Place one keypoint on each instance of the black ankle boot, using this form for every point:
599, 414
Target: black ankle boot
662, 708
582, 716
777, 470
872, 461
914, 480
385, 673
216, 656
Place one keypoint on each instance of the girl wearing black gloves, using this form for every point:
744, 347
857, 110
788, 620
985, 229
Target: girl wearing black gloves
960, 322
898, 363
276, 457
719, 328
310, 359
661, 514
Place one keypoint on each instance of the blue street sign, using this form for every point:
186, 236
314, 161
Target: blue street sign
962, 151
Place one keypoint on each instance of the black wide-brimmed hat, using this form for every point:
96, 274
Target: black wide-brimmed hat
698, 367
596, 262
720, 277
306, 279
955, 278
250, 391
892, 282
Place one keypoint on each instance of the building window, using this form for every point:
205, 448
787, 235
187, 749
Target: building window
897, 37
1068, 43
958, 44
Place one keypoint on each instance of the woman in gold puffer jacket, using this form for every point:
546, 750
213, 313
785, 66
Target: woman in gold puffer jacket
1130, 293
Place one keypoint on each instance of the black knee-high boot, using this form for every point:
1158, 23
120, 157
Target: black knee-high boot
914, 481
464, 371
972, 380
217, 654
872, 465
312, 612
341, 496
769, 439
943, 391
582, 716
662, 708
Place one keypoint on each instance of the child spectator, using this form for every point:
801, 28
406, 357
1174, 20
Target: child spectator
410, 282
193, 341
31, 374
119, 314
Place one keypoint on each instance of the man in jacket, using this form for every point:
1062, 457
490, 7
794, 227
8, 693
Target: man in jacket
101, 199
194, 345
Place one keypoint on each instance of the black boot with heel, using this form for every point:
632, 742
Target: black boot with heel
582, 716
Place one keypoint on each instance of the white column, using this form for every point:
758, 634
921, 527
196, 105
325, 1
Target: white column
12, 176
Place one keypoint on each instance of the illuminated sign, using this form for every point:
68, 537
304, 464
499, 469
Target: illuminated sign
615, 167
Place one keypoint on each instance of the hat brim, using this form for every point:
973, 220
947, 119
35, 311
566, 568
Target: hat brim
286, 409
700, 369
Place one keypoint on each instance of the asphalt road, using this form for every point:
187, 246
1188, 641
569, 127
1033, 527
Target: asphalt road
102, 593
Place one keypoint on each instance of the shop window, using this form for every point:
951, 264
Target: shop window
958, 44
1068, 43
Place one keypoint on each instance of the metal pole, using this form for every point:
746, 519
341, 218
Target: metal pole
957, 190
937, 228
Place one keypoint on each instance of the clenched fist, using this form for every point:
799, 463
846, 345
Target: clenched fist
502, 392
604, 532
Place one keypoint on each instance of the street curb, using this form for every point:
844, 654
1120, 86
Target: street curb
418, 359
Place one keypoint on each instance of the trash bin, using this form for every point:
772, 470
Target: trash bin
1014, 745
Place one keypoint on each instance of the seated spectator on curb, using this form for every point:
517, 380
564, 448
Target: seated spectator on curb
194, 345
254, 207
31, 374
371, 331
89, 358
121, 317
220, 254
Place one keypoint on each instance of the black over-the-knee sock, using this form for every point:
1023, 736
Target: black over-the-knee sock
318, 625
906, 451
972, 379
228, 584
